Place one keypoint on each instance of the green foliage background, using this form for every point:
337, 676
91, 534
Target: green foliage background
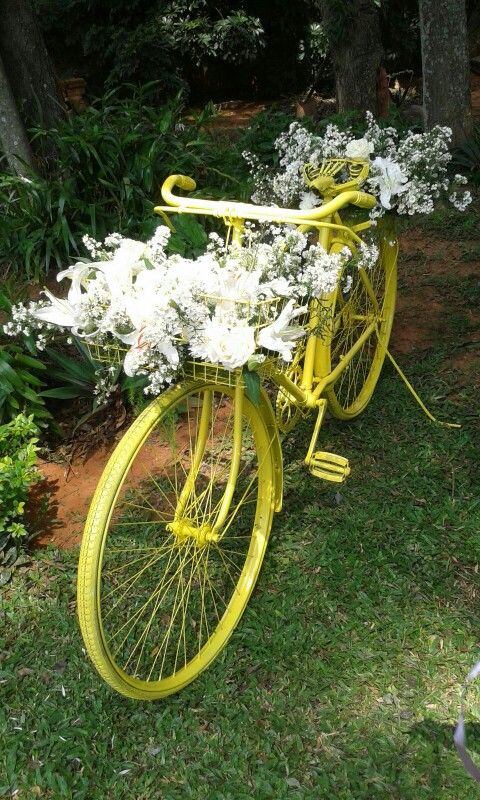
18, 472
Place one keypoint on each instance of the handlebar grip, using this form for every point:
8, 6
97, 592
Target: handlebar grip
186, 183
364, 200
183, 182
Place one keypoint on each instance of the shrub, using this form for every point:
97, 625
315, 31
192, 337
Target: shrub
21, 376
80, 376
467, 156
107, 175
18, 471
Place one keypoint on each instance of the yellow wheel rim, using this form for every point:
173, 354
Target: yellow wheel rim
160, 589
361, 298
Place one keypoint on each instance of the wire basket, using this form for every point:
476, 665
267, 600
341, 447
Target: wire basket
259, 314
212, 373
110, 351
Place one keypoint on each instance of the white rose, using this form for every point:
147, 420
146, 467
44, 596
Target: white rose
230, 344
359, 149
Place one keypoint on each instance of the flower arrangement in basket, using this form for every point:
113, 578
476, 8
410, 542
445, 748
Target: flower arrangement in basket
408, 172
161, 314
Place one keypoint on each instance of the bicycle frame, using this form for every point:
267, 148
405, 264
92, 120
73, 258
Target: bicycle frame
333, 235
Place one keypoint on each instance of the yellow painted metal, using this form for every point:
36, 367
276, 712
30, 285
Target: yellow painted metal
214, 464
322, 407
224, 509
197, 456
351, 358
329, 466
231, 210
158, 598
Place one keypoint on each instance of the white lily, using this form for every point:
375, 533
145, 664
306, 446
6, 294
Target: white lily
277, 287
126, 262
280, 336
388, 176
77, 274
59, 312
144, 303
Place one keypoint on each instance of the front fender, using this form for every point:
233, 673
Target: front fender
265, 408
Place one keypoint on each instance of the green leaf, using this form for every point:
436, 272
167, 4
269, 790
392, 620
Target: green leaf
62, 393
189, 238
30, 395
82, 372
252, 385
27, 361
29, 378
9, 375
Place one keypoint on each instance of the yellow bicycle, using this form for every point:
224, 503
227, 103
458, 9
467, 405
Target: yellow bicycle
180, 520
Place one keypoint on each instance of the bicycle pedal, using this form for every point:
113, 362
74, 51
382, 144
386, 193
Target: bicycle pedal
329, 466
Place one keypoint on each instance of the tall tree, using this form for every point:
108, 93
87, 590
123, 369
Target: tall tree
446, 87
353, 28
473, 28
13, 137
28, 65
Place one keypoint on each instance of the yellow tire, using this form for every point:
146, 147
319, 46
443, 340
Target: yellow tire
159, 593
361, 297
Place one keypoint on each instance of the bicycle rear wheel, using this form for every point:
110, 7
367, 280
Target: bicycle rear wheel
361, 297
159, 591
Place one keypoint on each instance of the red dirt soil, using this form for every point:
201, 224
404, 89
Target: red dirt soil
423, 307
69, 489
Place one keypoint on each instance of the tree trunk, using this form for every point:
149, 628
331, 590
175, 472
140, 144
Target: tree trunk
446, 77
354, 32
13, 136
28, 64
473, 28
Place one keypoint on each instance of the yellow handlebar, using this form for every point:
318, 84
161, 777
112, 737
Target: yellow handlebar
234, 210
182, 181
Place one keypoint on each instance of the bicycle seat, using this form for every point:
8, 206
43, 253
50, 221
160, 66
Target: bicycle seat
322, 178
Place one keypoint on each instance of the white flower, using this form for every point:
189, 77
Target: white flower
277, 287
308, 200
78, 275
59, 312
134, 360
224, 340
389, 178
459, 201
359, 149
126, 262
280, 336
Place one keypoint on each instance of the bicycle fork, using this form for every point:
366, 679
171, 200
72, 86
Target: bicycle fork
182, 525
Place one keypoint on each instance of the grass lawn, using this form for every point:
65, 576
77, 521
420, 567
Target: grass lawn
343, 677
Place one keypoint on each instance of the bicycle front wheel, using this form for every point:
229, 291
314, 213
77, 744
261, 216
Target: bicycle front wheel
362, 297
160, 589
